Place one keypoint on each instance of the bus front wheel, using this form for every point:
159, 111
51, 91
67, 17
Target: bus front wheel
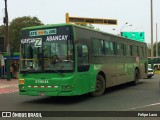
100, 86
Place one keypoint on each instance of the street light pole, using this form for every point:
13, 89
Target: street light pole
119, 32
123, 28
7, 41
151, 35
156, 41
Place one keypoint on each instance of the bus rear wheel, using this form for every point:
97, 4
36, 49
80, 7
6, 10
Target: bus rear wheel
100, 86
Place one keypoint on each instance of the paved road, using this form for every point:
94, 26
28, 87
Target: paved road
143, 97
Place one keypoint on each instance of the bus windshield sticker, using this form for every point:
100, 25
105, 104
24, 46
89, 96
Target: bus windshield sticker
43, 32
28, 40
38, 42
57, 38
97, 67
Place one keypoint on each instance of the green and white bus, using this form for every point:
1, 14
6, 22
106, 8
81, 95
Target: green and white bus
69, 60
156, 63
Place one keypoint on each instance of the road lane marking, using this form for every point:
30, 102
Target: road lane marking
143, 106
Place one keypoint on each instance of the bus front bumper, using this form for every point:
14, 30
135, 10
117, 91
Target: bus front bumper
67, 90
48, 93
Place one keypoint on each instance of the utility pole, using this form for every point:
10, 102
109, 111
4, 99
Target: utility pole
151, 34
7, 41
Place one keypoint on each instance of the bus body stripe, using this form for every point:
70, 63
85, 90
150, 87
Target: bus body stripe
42, 86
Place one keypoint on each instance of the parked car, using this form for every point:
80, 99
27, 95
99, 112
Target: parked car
150, 73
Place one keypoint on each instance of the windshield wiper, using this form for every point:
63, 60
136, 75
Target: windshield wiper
25, 73
28, 71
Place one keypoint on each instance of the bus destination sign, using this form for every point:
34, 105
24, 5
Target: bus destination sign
43, 32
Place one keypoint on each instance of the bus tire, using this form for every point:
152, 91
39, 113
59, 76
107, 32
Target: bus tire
100, 86
136, 77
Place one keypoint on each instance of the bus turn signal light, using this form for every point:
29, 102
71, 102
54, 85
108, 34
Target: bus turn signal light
21, 81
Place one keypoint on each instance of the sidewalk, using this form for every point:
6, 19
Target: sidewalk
8, 86
5, 81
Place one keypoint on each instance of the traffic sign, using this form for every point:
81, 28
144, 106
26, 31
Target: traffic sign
138, 36
82, 20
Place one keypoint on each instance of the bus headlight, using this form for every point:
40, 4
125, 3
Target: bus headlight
67, 87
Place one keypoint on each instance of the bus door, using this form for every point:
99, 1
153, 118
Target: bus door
83, 68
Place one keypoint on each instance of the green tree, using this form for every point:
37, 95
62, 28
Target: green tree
85, 25
2, 30
15, 29
88, 26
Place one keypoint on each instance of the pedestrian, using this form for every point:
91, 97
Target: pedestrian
15, 70
11, 71
54, 59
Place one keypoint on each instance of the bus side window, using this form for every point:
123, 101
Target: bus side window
120, 49
83, 58
107, 51
98, 46
125, 49
137, 51
141, 52
131, 50
112, 48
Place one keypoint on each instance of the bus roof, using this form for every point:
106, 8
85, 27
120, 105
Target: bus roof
66, 24
44, 26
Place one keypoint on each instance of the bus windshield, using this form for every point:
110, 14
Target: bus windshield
46, 55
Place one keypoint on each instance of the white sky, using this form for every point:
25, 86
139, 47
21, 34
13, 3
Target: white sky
135, 12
